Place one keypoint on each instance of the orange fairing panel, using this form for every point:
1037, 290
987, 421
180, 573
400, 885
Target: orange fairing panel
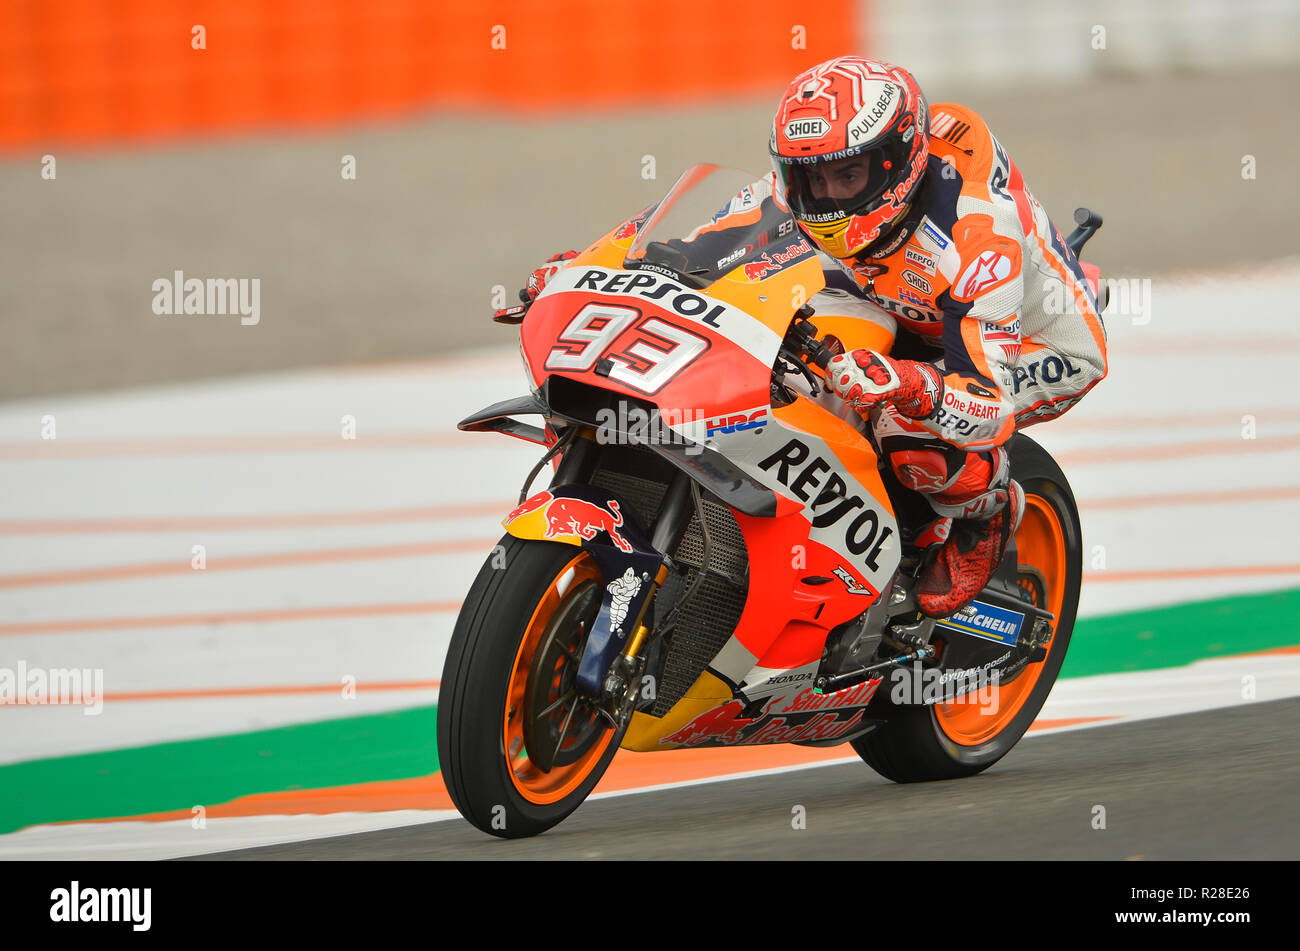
771, 299
791, 608
774, 298
848, 444
645, 731
846, 529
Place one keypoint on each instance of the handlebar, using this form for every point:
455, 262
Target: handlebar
805, 337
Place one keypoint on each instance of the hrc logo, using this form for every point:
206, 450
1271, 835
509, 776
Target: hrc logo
736, 422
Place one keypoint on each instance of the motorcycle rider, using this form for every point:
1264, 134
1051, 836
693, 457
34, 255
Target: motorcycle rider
954, 304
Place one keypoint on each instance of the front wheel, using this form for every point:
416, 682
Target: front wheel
951, 740
519, 747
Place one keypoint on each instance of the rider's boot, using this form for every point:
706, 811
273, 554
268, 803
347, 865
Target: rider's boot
971, 555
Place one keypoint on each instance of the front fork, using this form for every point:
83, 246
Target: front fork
617, 681
623, 681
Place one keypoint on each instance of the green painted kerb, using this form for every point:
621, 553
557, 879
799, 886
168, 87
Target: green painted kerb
1178, 635
402, 745
181, 775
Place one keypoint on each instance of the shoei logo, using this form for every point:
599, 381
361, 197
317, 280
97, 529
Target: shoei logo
917, 281
813, 128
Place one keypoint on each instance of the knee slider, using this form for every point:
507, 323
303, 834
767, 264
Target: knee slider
981, 489
922, 470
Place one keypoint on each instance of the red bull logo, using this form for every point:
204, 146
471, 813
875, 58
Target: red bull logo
757, 269
725, 727
531, 505
862, 230
569, 516
630, 228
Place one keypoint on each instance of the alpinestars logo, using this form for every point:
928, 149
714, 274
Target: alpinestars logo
985, 272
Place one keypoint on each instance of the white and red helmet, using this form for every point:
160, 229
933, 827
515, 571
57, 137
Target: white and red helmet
844, 108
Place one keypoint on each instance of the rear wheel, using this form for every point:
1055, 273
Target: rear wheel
520, 747
950, 740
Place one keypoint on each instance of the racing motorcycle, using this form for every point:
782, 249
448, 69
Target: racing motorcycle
719, 558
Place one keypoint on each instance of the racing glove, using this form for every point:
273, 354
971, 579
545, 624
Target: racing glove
865, 379
537, 280
536, 283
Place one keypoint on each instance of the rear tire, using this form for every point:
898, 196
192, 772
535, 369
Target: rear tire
948, 741
511, 662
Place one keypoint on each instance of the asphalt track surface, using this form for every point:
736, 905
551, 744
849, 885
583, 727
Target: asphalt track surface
1215, 785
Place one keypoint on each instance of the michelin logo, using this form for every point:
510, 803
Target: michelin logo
987, 622
935, 237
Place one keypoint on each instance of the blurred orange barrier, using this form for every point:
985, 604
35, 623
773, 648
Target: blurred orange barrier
94, 71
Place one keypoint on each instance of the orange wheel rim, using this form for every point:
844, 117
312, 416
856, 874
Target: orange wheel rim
529, 780
1040, 543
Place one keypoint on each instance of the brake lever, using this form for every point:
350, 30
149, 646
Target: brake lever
805, 333
794, 364
511, 315
514, 315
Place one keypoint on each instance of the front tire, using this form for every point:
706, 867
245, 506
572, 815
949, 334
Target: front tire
508, 684
951, 740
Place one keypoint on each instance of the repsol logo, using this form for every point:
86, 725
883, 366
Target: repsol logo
652, 288
1053, 369
923, 261
902, 310
864, 533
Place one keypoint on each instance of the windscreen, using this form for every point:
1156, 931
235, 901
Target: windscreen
712, 221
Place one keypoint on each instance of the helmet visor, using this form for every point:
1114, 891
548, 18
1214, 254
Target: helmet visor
829, 190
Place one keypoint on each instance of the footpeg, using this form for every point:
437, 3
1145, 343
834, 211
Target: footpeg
825, 685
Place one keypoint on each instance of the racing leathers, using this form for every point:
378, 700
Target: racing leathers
976, 282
